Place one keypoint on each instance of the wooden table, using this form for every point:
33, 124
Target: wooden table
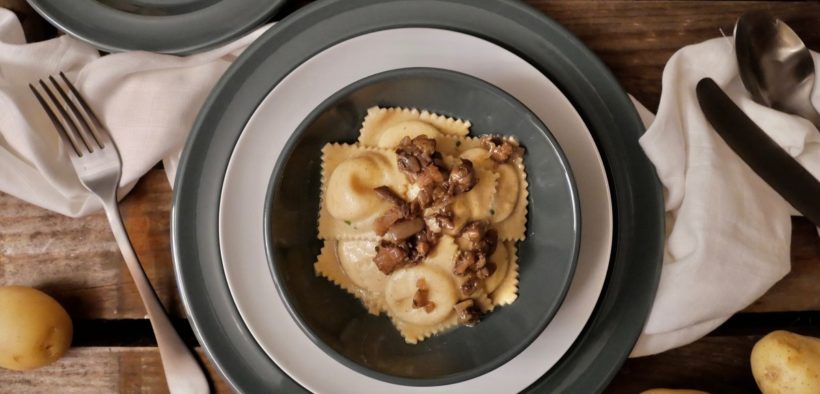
77, 261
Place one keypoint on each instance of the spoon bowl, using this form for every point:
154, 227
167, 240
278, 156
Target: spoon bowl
775, 65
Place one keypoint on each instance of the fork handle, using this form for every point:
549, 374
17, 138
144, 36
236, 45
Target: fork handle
182, 371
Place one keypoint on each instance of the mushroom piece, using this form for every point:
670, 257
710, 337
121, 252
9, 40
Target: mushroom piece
465, 260
390, 256
415, 154
470, 285
409, 163
389, 195
478, 236
430, 176
386, 220
403, 229
501, 149
421, 297
462, 178
426, 240
486, 271
468, 313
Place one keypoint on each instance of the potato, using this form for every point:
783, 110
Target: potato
673, 391
34, 329
784, 362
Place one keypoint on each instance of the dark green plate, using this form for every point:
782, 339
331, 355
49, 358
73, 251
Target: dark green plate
335, 320
167, 26
627, 298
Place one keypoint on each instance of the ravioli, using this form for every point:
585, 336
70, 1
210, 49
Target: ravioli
385, 127
358, 216
349, 204
348, 264
509, 207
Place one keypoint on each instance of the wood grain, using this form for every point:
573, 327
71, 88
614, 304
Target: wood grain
636, 38
77, 261
800, 289
712, 364
101, 370
35, 28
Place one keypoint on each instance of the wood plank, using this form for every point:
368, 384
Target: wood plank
636, 38
77, 260
800, 289
35, 27
712, 364
101, 370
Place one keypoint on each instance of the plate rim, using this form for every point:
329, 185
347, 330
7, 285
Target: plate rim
612, 98
592, 267
576, 229
116, 45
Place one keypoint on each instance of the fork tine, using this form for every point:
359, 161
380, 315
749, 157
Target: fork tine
53, 117
71, 130
72, 118
88, 133
101, 133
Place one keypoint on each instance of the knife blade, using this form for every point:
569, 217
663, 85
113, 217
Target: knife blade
766, 158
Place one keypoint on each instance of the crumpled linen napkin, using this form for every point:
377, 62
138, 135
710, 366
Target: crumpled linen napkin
148, 102
728, 233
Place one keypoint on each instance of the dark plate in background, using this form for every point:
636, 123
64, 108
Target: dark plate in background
168, 26
633, 278
336, 320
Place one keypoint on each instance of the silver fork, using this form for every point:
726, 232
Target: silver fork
98, 165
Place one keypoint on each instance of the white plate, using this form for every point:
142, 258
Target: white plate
243, 195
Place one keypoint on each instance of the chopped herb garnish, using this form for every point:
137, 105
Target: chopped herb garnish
347, 222
492, 211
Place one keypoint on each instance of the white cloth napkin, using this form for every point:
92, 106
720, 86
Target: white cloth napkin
728, 233
147, 101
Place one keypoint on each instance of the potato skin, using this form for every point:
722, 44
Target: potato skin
35, 330
784, 362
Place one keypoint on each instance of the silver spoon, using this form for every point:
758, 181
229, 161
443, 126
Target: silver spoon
775, 65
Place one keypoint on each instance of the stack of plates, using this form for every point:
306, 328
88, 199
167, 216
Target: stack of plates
219, 206
167, 26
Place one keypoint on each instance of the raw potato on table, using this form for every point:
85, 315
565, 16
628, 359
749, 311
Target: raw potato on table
34, 329
787, 363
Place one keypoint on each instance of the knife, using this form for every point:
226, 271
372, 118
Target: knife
781, 171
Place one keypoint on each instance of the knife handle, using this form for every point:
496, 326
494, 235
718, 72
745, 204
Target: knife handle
766, 158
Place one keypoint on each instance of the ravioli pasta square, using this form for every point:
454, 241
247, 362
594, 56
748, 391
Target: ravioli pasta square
510, 208
436, 248
503, 284
414, 323
349, 265
415, 333
455, 146
349, 204
385, 127
477, 204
